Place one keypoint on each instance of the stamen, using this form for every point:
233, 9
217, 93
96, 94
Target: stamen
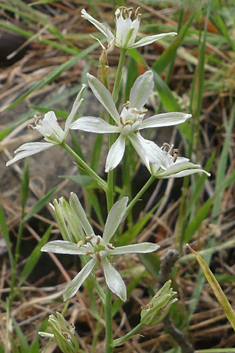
175, 154
30, 126
137, 12
134, 111
110, 246
126, 104
97, 241
79, 244
66, 335
98, 256
89, 238
38, 119
88, 253
166, 145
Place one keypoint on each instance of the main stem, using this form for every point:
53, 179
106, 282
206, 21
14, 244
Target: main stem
118, 75
108, 321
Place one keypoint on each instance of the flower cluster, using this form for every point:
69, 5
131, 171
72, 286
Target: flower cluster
78, 235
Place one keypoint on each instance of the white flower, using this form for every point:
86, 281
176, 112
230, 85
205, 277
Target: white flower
126, 29
174, 166
98, 249
49, 128
130, 121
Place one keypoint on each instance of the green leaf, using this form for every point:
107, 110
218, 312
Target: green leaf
221, 297
24, 190
6, 237
24, 347
34, 257
195, 223
40, 204
165, 59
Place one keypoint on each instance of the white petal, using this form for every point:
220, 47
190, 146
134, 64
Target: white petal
78, 280
178, 170
165, 119
114, 280
150, 39
63, 247
115, 154
93, 124
141, 90
76, 105
50, 128
104, 96
135, 249
148, 149
115, 217
100, 26
79, 211
29, 149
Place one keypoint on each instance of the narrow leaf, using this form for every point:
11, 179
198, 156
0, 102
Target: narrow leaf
221, 297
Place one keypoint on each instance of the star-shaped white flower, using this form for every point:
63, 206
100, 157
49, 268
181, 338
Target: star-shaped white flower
126, 29
97, 248
130, 121
49, 128
174, 166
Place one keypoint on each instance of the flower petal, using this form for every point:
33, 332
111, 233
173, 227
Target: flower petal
63, 247
79, 211
141, 90
165, 119
150, 39
100, 26
50, 129
76, 105
178, 170
78, 280
135, 248
115, 154
114, 280
104, 96
29, 149
93, 124
148, 149
115, 217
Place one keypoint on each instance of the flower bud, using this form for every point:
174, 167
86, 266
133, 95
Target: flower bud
63, 335
159, 306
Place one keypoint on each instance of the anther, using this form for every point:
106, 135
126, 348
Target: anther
97, 241
38, 119
79, 244
98, 256
110, 246
166, 145
30, 126
89, 238
66, 335
134, 111
137, 12
126, 104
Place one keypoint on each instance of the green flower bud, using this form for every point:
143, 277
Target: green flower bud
63, 335
159, 306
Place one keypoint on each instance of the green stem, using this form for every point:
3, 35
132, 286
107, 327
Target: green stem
85, 166
118, 75
140, 193
108, 322
120, 341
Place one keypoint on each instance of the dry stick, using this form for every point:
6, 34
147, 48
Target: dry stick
166, 266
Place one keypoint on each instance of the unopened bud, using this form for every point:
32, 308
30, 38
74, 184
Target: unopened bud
159, 306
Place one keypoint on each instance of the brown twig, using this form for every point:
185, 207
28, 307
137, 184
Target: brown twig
166, 267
